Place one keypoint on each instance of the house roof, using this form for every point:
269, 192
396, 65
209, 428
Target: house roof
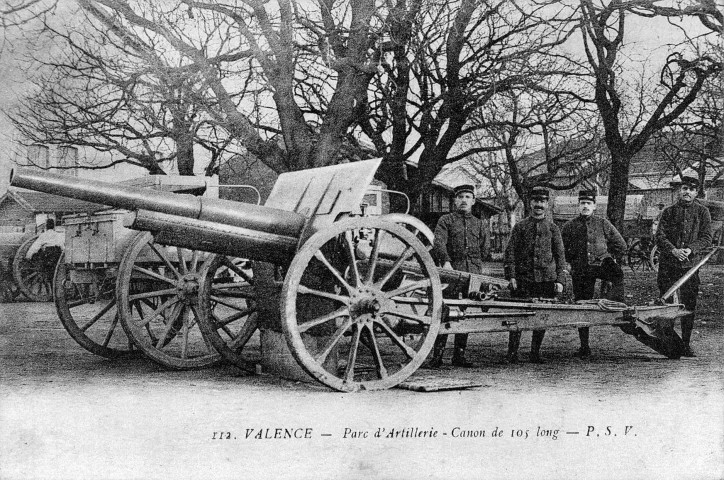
566, 207
39, 202
649, 182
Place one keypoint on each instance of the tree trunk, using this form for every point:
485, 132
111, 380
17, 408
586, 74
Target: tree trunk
185, 154
345, 108
620, 163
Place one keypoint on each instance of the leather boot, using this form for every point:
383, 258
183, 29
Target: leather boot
585, 350
461, 343
535, 346
687, 325
437, 352
513, 344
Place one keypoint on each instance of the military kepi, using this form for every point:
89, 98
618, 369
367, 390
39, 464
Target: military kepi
464, 188
587, 195
539, 193
693, 182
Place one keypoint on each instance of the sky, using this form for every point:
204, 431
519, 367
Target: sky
647, 40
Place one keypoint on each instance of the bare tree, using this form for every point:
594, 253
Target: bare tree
549, 140
443, 64
16, 13
280, 41
103, 93
679, 83
696, 139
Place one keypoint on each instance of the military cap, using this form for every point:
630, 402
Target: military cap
693, 182
464, 188
587, 195
539, 193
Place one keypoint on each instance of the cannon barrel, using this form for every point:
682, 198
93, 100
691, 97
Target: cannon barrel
213, 237
247, 216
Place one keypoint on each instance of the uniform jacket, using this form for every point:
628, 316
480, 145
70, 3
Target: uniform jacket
535, 252
462, 240
589, 240
683, 226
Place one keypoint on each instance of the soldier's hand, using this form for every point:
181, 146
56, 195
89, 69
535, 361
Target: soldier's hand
448, 266
679, 254
513, 284
559, 287
686, 251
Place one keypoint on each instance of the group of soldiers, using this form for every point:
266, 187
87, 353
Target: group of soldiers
538, 253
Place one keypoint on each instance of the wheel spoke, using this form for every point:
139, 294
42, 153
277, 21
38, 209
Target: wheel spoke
217, 321
162, 255
155, 293
352, 356
381, 370
372, 264
424, 283
98, 315
181, 261
322, 357
410, 352
424, 319
184, 335
194, 263
84, 300
234, 290
320, 256
139, 309
177, 310
341, 312
396, 266
111, 329
352, 258
157, 312
236, 316
31, 276
331, 296
235, 268
245, 334
152, 274
224, 302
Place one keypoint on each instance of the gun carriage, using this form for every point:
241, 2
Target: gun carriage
358, 299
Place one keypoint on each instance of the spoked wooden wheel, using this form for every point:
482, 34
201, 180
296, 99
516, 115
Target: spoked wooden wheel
654, 258
352, 317
638, 256
34, 276
157, 292
227, 310
418, 228
86, 304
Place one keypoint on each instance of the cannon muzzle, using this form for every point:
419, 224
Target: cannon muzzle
245, 215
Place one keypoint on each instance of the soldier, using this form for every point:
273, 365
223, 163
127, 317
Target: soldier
683, 232
461, 243
593, 247
534, 264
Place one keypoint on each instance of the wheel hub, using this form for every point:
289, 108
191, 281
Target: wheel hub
365, 303
188, 287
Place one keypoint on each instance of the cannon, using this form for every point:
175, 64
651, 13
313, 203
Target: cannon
88, 276
358, 300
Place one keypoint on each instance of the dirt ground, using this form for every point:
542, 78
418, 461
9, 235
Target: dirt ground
65, 413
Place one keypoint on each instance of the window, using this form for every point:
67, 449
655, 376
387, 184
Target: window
39, 155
